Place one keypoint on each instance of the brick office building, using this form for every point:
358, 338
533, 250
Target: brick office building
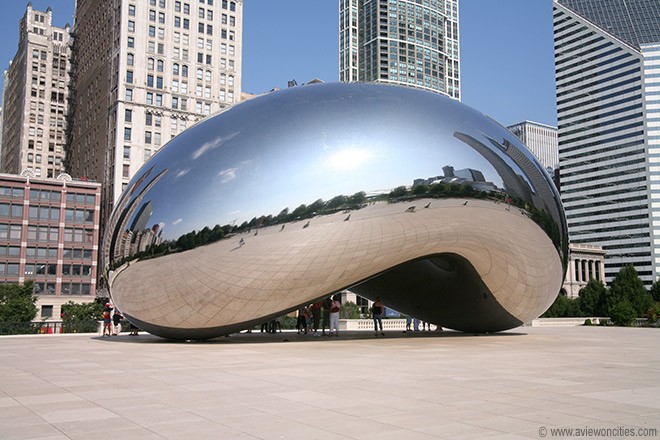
49, 233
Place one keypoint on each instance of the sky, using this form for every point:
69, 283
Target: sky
507, 69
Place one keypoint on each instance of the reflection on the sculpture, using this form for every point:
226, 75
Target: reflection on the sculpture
200, 248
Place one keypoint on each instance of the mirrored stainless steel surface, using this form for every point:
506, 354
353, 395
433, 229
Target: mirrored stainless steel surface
295, 195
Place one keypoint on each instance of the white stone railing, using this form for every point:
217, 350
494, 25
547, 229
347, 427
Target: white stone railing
566, 322
368, 324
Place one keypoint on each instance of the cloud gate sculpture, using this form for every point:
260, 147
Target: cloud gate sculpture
295, 195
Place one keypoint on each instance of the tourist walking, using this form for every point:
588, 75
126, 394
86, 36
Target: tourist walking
377, 312
334, 316
327, 304
316, 316
116, 323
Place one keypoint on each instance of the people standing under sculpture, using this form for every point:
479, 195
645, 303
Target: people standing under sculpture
416, 324
308, 319
334, 316
408, 323
107, 320
316, 316
301, 323
377, 312
327, 304
116, 322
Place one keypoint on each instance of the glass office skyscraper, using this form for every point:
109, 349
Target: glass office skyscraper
406, 42
607, 67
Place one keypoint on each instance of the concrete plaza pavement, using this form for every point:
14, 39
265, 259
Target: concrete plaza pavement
519, 384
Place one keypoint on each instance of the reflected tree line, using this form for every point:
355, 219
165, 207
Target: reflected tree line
341, 203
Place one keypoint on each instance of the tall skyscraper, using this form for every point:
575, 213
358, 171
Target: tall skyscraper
36, 89
144, 70
406, 42
607, 67
541, 140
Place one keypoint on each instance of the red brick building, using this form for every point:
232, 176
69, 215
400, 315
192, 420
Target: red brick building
49, 233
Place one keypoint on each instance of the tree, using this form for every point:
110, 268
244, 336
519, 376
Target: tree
420, 189
82, 317
349, 310
627, 286
397, 192
17, 303
592, 299
623, 313
357, 199
653, 313
563, 307
655, 291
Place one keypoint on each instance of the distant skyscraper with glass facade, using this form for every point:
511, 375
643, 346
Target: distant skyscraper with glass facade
405, 42
607, 67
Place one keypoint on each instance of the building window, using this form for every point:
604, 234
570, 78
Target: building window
127, 134
129, 94
129, 76
129, 59
131, 26
127, 152
126, 171
128, 115
131, 42
150, 98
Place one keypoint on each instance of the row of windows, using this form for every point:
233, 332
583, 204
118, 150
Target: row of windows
601, 133
599, 79
592, 92
41, 252
587, 104
603, 141
598, 116
593, 169
600, 187
67, 288
608, 220
51, 252
616, 210
44, 195
638, 189
73, 270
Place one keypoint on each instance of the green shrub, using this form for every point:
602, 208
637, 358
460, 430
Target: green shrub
653, 313
623, 314
350, 310
588, 322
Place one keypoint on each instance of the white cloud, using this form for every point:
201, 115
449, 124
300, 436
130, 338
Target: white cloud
177, 221
211, 145
228, 174
182, 173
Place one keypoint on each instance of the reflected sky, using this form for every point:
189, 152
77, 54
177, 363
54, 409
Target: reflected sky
295, 146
